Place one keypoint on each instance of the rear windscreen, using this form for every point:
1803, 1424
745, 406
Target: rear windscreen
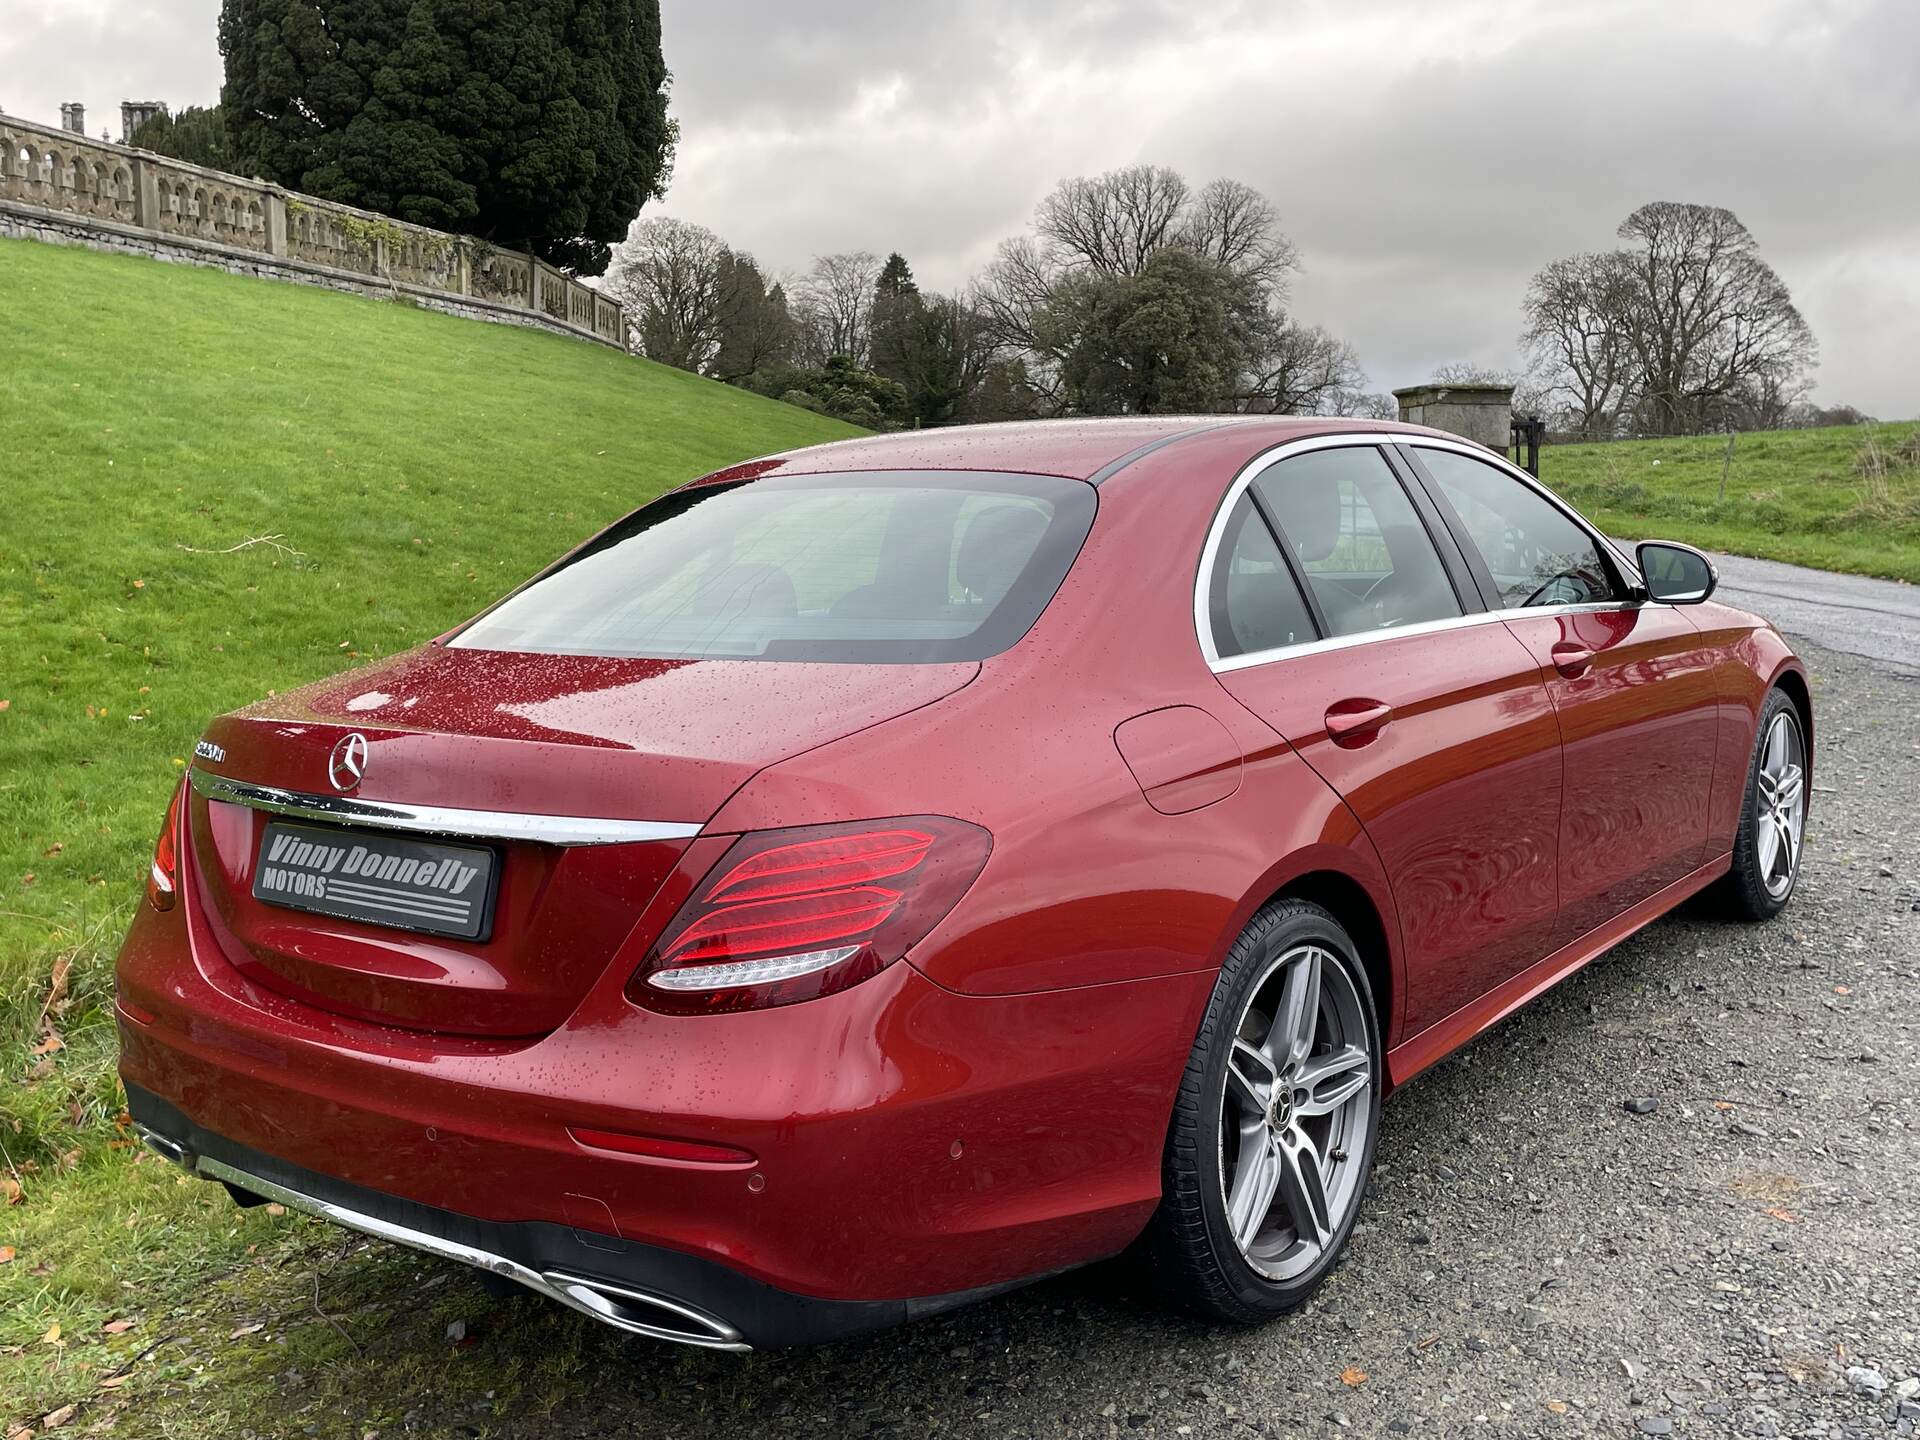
893, 568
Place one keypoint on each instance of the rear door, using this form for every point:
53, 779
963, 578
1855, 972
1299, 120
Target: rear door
1632, 683
1340, 612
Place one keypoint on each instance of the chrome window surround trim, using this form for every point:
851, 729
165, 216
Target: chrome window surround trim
1209, 554
434, 819
599, 1299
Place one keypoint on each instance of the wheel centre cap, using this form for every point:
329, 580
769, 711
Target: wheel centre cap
1280, 1112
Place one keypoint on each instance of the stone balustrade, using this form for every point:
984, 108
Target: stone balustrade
60, 186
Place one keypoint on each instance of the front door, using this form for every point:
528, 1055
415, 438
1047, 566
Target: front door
1631, 682
1430, 719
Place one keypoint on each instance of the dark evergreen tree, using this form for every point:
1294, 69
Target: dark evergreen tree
894, 281
755, 328
197, 135
538, 124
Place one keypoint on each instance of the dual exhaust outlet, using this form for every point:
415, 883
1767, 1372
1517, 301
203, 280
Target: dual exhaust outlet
636, 1311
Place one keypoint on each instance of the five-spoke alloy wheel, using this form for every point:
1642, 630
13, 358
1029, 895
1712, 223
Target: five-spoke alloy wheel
1766, 851
1299, 1091
1273, 1131
1781, 796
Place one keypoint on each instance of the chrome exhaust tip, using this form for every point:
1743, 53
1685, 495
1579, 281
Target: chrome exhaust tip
643, 1313
166, 1147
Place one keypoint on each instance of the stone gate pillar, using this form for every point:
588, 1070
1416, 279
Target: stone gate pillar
1481, 413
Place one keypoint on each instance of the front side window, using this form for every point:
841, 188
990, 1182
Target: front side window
1537, 554
1255, 603
1358, 540
881, 568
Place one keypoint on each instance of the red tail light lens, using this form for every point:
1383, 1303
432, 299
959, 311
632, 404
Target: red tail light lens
788, 915
166, 856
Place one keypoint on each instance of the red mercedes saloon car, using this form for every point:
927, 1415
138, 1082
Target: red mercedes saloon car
878, 875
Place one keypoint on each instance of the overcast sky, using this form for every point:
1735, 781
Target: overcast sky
1426, 158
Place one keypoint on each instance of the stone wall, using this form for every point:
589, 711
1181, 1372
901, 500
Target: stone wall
66, 189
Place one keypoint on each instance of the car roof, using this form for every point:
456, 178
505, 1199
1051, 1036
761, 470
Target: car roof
1079, 449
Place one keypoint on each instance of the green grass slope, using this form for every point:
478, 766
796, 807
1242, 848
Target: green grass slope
393, 469
1845, 498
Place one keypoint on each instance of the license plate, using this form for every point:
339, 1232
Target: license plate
377, 878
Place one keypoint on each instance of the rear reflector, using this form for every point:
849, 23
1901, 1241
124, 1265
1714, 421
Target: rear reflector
800, 913
660, 1148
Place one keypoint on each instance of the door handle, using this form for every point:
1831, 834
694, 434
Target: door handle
1571, 659
1355, 722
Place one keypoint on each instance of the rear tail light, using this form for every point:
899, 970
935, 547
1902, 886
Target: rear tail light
788, 915
166, 857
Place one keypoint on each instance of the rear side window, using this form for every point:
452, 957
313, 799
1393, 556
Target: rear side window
1358, 540
1538, 556
884, 568
1255, 603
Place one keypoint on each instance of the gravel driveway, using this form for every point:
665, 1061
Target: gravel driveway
1534, 1259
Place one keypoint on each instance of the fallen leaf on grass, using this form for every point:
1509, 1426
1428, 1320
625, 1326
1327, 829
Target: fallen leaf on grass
6, 1254
54, 849
1353, 1375
54, 1419
253, 1329
276, 1208
117, 1327
114, 1382
52, 1043
10, 1187
52, 1337
6, 704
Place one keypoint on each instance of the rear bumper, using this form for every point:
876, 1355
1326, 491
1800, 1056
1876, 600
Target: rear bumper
643, 1289
901, 1141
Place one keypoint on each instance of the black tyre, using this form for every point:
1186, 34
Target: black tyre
1766, 849
1273, 1128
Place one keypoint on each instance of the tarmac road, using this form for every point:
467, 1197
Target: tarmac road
1879, 619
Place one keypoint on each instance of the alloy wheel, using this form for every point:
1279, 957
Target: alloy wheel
1780, 804
1293, 1125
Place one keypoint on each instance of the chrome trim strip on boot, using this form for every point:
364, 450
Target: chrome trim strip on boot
436, 819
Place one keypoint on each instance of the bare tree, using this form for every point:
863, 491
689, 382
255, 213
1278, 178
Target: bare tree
1579, 314
1469, 372
1112, 223
833, 302
667, 273
1235, 224
1360, 405
1709, 316
1300, 371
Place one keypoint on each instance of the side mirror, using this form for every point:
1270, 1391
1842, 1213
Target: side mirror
1676, 574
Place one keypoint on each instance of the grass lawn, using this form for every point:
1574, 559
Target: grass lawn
393, 469
1846, 498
